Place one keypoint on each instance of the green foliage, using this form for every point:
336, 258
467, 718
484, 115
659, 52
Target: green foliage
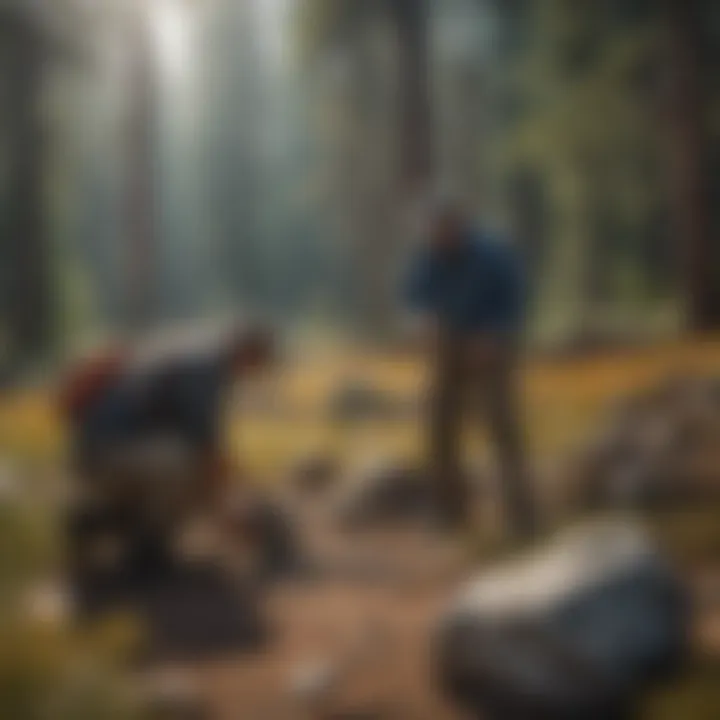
585, 122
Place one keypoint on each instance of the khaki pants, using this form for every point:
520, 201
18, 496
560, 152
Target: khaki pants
488, 387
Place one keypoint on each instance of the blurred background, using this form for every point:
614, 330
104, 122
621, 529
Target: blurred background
184, 158
166, 161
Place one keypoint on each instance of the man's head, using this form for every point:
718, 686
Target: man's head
448, 225
253, 349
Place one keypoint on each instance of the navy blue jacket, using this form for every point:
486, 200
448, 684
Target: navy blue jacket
478, 289
177, 396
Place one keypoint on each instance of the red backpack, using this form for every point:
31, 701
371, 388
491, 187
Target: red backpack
87, 380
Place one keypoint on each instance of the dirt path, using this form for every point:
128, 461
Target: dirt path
352, 643
375, 642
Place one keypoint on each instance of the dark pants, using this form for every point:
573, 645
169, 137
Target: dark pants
488, 387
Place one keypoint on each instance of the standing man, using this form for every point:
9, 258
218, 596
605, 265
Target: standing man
469, 288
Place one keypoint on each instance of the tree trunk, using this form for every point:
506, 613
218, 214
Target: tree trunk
416, 147
387, 239
141, 239
28, 300
529, 224
688, 148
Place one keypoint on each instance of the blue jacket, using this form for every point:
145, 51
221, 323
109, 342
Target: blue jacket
479, 289
178, 396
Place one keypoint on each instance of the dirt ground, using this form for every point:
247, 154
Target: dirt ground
352, 642
389, 678
377, 618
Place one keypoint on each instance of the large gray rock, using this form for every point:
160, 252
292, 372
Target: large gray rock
660, 446
574, 630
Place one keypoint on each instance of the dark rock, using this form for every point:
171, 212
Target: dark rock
314, 474
191, 611
384, 491
200, 611
575, 630
268, 531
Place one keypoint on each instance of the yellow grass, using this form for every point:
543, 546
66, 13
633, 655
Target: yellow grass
563, 400
29, 426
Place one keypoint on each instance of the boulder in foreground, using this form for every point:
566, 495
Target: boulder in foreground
577, 629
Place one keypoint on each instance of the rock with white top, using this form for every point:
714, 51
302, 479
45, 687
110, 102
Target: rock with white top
576, 629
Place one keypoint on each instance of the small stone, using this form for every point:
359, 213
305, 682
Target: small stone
9, 482
384, 491
312, 681
49, 603
268, 532
358, 400
173, 695
314, 474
